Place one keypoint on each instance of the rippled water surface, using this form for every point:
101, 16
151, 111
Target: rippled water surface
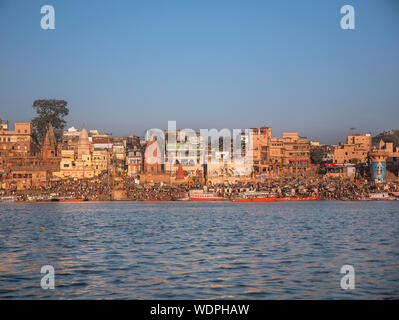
177, 250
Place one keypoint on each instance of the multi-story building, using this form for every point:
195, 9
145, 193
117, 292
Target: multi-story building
21, 170
18, 142
153, 157
289, 154
119, 149
260, 150
355, 150
185, 150
134, 159
70, 139
83, 161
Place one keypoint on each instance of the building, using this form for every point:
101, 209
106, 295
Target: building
134, 160
355, 150
119, 149
383, 157
49, 147
83, 160
23, 170
70, 139
19, 142
100, 162
184, 147
261, 142
153, 157
289, 154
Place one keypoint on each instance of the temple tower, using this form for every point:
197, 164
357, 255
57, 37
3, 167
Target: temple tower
152, 157
83, 143
49, 146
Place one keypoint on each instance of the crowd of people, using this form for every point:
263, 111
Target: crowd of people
101, 189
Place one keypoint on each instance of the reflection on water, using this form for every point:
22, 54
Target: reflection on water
200, 250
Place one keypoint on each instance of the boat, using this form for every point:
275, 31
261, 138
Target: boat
255, 197
184, 197
201, 195
298, 199
270, 199
7, 199
380, 196
71, 200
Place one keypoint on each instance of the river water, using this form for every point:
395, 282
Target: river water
180, 250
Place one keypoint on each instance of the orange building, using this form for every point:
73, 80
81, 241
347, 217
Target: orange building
260, 139
355, 150
21, 170
289, 154
18, 142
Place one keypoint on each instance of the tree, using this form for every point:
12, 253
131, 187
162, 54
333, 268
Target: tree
49, 111
317, 155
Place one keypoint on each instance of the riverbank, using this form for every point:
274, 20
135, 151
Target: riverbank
98, 189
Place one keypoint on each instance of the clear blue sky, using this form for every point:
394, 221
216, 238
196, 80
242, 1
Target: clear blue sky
125, 66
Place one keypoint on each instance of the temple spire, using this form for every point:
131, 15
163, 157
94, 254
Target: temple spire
49, 146
83, 143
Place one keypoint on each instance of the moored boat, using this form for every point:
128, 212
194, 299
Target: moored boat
298, 199
255, 197
381, 196
71, 200
201, 195
270, 199
8, 199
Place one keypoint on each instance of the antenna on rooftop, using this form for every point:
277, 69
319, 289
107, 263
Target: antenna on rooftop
352, 129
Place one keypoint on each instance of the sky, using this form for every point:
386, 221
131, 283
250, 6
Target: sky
128, 66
